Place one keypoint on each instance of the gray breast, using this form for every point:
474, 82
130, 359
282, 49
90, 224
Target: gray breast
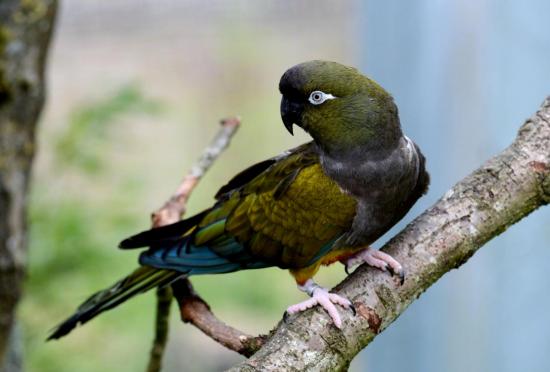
362, 174
381, 185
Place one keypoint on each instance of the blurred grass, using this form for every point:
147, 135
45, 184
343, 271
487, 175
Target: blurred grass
89, 124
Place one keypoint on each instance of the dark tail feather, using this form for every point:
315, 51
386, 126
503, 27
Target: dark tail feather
163, 234
141, 280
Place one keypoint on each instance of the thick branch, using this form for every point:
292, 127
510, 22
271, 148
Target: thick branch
501, 192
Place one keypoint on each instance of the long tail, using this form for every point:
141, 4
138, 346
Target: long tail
141, 280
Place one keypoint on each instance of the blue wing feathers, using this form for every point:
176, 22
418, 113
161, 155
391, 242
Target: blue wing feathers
222, 254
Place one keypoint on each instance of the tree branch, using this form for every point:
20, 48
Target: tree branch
501, 192
175, 207
196, 311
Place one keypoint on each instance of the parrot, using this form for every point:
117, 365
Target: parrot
323, 202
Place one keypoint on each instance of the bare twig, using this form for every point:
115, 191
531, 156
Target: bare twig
164, 301
175, 207
171, 212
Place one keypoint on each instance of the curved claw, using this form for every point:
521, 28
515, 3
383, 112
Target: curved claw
352, 308
400, 273
285, 317
346, 269
402, 277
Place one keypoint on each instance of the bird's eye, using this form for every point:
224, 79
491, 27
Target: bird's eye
317, 97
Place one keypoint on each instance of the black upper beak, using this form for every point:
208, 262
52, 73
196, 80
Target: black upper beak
291, 113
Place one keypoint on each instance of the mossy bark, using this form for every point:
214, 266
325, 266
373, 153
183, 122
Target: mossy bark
501, 192
25, 29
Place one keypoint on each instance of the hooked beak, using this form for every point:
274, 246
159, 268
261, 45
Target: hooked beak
291, 113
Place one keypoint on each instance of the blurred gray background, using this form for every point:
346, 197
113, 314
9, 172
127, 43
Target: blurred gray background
136, 90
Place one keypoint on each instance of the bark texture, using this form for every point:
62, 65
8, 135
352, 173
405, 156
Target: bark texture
25, 29
498, 194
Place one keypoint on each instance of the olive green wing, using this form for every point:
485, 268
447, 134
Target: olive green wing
281, 212
291, 212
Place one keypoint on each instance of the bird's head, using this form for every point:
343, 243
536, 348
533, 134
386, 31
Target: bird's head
338, 106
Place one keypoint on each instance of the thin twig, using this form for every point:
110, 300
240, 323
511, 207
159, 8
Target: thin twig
171, 212
164, 301
175, 207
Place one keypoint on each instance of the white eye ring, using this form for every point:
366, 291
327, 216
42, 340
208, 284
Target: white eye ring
317, 97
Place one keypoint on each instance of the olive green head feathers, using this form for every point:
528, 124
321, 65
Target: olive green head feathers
339, 107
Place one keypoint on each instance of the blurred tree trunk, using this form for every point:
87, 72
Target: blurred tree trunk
25, 29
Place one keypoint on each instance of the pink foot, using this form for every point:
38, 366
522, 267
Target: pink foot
321, 296
379, 259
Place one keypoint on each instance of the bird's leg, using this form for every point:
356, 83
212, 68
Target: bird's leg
321, 296
376, 258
